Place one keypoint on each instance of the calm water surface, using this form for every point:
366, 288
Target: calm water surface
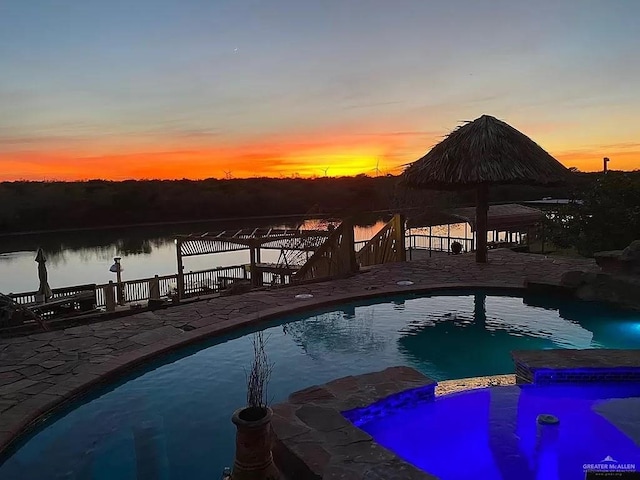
174, 417
75, 258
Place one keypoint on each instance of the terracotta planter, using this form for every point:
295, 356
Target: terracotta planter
253, 460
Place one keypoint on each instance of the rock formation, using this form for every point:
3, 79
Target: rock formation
618, 282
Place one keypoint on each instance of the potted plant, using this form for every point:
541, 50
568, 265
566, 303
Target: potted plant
254, 460
456, 248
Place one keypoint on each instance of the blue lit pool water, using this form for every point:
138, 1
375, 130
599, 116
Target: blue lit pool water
492, 433
172, 419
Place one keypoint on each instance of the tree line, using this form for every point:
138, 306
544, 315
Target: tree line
36, 206
605, 217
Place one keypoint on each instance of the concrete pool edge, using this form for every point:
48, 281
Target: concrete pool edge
26, 416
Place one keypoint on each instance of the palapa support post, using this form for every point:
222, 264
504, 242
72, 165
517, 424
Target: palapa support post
482, 209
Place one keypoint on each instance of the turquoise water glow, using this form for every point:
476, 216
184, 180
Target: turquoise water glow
172, 420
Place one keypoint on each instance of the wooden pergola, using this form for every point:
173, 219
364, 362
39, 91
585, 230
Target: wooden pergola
255, 240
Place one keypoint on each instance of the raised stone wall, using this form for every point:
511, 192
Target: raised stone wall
550, 367
314, 439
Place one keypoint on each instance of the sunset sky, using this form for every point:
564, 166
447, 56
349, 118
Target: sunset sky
119, 89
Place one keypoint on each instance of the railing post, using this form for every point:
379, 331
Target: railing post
154, 288
348, 239
110, 297
254, 270
400, 233
180, 279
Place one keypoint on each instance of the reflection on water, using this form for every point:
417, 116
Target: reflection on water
329, 333
464, 326
75, 258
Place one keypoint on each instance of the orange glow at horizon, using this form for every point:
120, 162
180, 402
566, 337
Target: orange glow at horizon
309, 155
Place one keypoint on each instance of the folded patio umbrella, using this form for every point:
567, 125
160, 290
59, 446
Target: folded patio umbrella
44, 290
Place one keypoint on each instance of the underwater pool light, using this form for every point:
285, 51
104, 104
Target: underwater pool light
547, 419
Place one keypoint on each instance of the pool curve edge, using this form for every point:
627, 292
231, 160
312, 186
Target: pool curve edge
27, 416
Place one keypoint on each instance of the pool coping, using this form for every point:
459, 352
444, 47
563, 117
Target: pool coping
26, 416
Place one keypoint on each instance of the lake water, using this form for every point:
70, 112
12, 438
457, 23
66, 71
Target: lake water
76, 258
81, 257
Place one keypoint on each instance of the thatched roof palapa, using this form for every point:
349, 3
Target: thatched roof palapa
485, 151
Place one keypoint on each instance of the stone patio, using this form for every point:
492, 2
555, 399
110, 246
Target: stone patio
39, 372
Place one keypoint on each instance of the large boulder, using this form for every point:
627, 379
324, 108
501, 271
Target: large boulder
618, 283
610, 261
623, 291
621, 262
632, 253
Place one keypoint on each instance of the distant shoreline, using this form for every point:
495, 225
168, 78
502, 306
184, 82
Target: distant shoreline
175, 222
153, 224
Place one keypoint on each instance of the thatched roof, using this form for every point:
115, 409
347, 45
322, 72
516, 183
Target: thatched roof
486, 150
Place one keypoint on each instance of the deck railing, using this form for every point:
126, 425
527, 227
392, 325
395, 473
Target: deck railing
196, 283
273, 279
203, 282
437, 243
26, 298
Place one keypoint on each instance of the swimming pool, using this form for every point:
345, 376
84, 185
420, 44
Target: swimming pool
172, 420
493, 433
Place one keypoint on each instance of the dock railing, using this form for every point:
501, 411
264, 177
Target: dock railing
435, 243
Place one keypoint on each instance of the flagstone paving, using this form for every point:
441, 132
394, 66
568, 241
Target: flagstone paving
40, 371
